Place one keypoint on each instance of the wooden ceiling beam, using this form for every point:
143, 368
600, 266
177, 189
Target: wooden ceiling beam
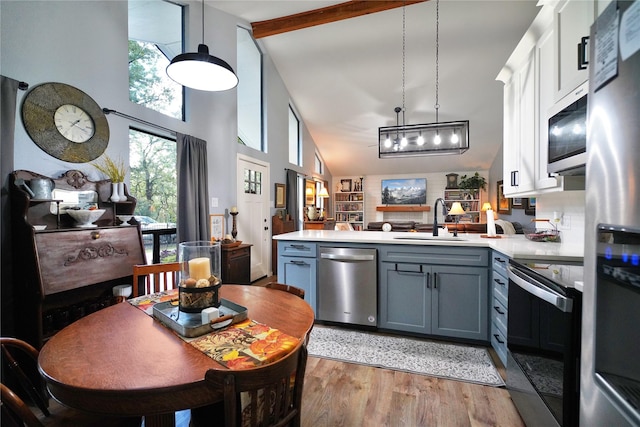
325, 15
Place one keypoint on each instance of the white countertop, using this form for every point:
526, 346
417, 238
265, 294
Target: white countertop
514, 246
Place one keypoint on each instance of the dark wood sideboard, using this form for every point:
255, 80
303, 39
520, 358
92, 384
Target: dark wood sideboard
236, 264
63, 273
279, 226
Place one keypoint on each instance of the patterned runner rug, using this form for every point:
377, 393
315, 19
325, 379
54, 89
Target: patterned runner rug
414, 355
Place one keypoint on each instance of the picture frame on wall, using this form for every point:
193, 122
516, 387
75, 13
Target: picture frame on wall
345, 185
530, 206
504, 204
281, 191
517, 203
216, 225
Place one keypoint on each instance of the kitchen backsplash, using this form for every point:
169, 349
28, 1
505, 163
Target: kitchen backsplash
571, 206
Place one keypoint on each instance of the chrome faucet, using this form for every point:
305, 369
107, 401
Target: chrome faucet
435, 214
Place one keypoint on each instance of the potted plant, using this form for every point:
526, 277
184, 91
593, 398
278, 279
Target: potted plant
115, 171
474, 182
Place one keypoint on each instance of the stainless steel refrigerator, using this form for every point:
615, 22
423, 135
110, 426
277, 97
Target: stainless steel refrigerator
610, 369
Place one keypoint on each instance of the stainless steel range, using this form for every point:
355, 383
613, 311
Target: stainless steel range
543, 341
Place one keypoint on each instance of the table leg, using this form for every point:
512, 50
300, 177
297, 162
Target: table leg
160, 420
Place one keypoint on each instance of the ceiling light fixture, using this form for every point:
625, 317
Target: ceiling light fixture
422, 139
201, 71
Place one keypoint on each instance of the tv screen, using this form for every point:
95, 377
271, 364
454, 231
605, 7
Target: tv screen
404, 191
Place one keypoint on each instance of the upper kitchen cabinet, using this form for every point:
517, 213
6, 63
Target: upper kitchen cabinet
571, 22
530, 89
520, 86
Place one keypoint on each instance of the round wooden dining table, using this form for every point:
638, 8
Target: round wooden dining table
120, 361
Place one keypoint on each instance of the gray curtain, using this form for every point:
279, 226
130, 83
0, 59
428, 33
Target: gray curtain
193, 189
292, 195
8, 96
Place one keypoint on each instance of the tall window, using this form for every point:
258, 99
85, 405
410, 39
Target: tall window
154, 184
249, 91
155, 37
318, 166
295, 153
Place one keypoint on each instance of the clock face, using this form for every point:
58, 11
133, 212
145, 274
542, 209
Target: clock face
73, 123
65, 122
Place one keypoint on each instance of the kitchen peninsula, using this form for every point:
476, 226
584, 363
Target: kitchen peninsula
436, 286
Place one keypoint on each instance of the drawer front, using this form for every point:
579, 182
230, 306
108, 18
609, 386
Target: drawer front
442, 255
239, 253
500, 288
499, 343
76, 258
298, 249
499, 315
499, 263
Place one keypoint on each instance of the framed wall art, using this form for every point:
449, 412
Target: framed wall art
281, 192
216, 225
345, 185
518, 203
530, 206
411, 191
504, 204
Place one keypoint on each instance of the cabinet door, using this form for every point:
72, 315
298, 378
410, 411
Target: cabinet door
459, 305
405, 297
572, 21
299, 272
519, 143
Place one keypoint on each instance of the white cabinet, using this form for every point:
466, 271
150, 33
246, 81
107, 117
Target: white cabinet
535, 76
519, 129
572, 19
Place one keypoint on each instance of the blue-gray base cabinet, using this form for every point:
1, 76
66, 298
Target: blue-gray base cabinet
297, 266
435, 291
499, 304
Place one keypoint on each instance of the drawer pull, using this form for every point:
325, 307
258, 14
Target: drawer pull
499, 282
499, 260
95, 235
298, 262
496, 308
497, 337
300, 247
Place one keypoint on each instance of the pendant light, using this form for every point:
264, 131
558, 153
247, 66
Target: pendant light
422, 139
201, 71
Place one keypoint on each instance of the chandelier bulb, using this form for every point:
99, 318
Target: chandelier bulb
436, 139
420, 140
455, 138
387, 142
403, 141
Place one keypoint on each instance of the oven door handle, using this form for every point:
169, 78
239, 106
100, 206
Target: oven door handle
538, 289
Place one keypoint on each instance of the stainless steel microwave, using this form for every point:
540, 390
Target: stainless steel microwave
567, 138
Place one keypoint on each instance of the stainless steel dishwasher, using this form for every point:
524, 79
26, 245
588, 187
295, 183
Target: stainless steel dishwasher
348, 286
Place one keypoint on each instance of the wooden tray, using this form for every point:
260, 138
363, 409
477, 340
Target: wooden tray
231, 245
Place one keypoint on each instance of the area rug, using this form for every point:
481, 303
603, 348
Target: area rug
414, 355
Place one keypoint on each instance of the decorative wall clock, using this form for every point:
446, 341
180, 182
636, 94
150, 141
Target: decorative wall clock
65, 122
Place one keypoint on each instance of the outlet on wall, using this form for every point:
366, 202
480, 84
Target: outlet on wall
214, 202
565, 224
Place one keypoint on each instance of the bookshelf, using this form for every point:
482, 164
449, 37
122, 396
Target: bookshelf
349, 207
471, 201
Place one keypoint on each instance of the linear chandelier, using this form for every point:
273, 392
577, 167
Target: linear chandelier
199, 70
422, 139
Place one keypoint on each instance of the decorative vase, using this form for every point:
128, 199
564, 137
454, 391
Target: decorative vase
115, 197
123, 197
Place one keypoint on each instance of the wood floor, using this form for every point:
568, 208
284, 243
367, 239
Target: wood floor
351, 395
345, 394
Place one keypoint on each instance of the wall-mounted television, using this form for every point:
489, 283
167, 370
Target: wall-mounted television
411, 191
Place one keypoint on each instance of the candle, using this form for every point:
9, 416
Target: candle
199, 268
234, 209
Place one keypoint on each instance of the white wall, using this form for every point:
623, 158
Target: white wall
84, 44
372, 187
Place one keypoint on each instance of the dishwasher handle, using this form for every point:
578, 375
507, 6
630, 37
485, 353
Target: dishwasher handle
343, 257
534, 287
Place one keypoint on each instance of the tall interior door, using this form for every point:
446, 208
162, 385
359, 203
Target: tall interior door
253, 220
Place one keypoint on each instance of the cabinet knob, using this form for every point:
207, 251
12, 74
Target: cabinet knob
95, 235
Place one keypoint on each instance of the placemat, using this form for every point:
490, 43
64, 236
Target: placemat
240, 346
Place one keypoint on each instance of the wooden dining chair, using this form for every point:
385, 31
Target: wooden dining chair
287, 288
151, 278
17, 355
269, 395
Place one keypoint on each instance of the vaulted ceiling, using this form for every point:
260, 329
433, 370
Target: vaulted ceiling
345, 76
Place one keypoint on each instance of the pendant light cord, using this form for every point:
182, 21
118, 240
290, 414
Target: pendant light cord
202, 21
437, 106
403, 57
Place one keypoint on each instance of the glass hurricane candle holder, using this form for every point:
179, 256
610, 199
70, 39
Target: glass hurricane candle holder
200, 281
